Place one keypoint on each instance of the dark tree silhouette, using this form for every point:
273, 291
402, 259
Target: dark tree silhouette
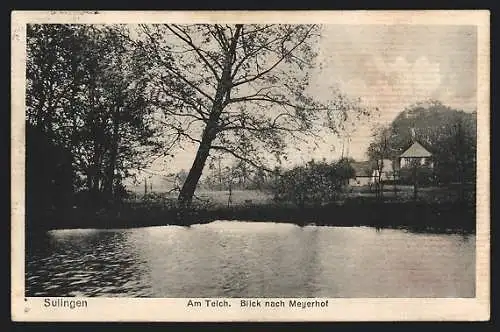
49, 175
86, 93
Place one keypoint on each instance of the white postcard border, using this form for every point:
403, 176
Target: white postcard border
175, 309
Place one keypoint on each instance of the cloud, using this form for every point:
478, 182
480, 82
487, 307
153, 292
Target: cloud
390, 86
393, 85
413, 61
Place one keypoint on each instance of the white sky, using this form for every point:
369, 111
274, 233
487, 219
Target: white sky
389, 67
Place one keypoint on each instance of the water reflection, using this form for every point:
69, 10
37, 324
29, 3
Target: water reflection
90, 263
238, 259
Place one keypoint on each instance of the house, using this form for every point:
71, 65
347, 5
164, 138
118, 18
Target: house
362, 174
415, 155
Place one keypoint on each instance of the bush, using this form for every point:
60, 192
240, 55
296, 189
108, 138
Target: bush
425, 176
312, 184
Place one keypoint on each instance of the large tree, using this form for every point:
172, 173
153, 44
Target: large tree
237, 89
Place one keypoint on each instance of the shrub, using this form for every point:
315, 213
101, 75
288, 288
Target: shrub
316, 183
425, 176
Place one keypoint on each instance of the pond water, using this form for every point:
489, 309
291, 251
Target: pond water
250, 259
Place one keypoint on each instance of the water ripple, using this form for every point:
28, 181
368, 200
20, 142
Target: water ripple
240, 259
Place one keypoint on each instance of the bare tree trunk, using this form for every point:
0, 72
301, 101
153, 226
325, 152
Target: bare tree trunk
394, 183
95, 167
379, 180
229, 198
90, 180
110, 169
186, 195
415, 182
96, 176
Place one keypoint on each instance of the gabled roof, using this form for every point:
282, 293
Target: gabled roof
416, 151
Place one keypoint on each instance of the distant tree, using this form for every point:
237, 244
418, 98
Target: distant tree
244, 173
231, 174
236, 89
260, 180
458, 153
216, 177
379, 150
449, 134
344, 169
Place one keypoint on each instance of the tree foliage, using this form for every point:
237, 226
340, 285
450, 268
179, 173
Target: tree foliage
316, 183
86, 92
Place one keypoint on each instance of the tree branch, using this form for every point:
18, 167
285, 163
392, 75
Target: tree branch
187, 39
171, 70
283, 57
234, 154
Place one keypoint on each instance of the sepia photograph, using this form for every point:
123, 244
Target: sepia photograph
277, 164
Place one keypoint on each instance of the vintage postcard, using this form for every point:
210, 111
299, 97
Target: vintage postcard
250, 166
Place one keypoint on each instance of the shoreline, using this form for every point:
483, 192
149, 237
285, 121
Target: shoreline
416, 216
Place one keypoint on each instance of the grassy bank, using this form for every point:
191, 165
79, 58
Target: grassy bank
417, 216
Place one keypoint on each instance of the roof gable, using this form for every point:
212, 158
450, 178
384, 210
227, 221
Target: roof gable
416, 151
